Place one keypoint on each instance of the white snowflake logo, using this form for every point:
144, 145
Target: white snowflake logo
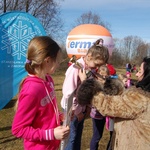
15, 40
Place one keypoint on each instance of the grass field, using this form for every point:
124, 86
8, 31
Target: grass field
9, 142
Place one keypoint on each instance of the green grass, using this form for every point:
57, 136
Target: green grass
9, 142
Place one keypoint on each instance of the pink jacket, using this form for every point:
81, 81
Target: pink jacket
70, 85
37, 115
128, 83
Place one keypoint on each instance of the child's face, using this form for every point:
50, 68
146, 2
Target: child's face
93, 63
103, 73
128, 75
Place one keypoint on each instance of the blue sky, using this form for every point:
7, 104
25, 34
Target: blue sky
128, 17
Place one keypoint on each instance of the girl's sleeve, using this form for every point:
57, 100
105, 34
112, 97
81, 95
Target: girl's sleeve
22, 123
70, 85
128, 105
71, 82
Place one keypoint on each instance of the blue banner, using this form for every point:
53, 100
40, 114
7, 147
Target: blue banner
16, 30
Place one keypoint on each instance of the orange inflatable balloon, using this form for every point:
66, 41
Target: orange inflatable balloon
82, 37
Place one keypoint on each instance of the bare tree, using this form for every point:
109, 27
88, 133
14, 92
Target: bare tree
91, 18
148, 50
47, 12
133, 46
142, 51
130, 49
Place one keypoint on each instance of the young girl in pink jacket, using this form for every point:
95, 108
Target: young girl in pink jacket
37, 118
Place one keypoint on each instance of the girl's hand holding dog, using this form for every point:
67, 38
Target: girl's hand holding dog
82, 74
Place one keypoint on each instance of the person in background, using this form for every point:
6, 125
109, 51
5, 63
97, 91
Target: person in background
37, 119
131, 111
128, 67
98, 120
126, 79
134, 69
104, 71
109, 71
112, 70
96, 56
128, 75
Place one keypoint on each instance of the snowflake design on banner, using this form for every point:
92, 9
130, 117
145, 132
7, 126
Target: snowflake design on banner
18, 35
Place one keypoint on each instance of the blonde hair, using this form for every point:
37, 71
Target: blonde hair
39, 48
98, 51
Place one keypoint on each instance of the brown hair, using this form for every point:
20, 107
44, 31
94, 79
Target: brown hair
113, 86
98, 51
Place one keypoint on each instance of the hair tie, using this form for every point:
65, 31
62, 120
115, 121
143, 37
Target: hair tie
28, 61
101, 41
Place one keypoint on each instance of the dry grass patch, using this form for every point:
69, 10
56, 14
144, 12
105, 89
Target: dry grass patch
9, 142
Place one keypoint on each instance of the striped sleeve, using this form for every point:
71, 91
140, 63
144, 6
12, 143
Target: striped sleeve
48, 134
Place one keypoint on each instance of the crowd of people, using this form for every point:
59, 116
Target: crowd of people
95, 91
131, 67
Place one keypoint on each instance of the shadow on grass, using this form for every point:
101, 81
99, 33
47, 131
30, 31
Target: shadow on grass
10, 104
8, 140
58, 89
5, 128
2, 138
